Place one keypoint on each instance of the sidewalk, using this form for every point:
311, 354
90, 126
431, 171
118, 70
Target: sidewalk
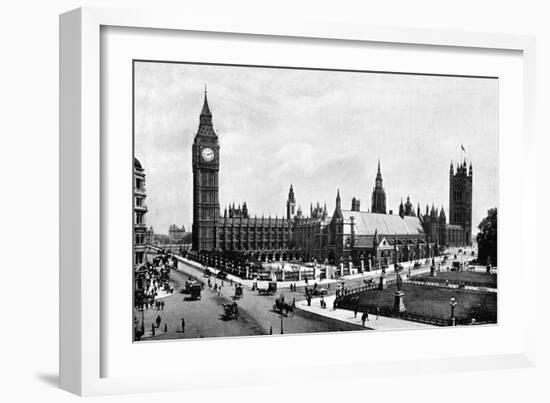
383, 322
248, 283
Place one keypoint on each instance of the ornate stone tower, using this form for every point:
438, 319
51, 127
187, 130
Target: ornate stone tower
378, 194
460, 199
290, 205
206, 165
355, 204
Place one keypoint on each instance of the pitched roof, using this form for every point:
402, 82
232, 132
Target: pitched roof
386, 224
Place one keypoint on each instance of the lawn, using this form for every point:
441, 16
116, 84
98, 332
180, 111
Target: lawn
434, 301
455, 277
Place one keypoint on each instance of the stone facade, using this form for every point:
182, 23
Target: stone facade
176, 234
140, 209
367, 239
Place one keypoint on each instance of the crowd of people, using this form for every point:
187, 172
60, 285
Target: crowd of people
152, 278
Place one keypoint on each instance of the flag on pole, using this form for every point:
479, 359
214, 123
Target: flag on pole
461, 146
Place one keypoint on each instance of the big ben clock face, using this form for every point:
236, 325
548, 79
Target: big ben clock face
207, 154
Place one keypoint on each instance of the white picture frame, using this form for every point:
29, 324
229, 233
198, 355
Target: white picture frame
82, 169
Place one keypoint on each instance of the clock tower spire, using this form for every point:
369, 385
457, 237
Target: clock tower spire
206, 165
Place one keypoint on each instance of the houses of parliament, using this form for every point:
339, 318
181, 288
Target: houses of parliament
378, 234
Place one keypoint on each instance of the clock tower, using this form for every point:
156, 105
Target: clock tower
206, 165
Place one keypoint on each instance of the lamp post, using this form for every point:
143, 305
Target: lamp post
453, 303
142, 320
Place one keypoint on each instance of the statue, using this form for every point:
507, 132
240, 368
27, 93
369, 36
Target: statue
399, 282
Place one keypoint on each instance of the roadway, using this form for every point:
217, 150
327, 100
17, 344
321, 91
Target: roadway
203, 318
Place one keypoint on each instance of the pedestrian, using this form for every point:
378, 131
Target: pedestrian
158, 320
270, 330
163, 303
377, 312
363, 318
355, 311
293, 302
182, 325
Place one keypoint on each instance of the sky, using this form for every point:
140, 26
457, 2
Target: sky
317, 130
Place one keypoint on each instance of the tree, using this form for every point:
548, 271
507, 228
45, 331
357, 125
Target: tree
487, 238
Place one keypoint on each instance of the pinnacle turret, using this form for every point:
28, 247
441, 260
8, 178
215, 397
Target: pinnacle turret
378, 202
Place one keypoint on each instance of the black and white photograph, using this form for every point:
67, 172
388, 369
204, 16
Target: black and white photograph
271, 200
253, 201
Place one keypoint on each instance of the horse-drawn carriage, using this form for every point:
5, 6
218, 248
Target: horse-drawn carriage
238, 291
193, 288
266, 287
164, 274
281, 306
195, 291
189, 284
230, 311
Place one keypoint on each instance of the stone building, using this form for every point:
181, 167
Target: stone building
371, 239
150, 236
367, 238
460, 204
176, 234
236, 230
140, 209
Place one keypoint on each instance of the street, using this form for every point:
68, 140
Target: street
203, 318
